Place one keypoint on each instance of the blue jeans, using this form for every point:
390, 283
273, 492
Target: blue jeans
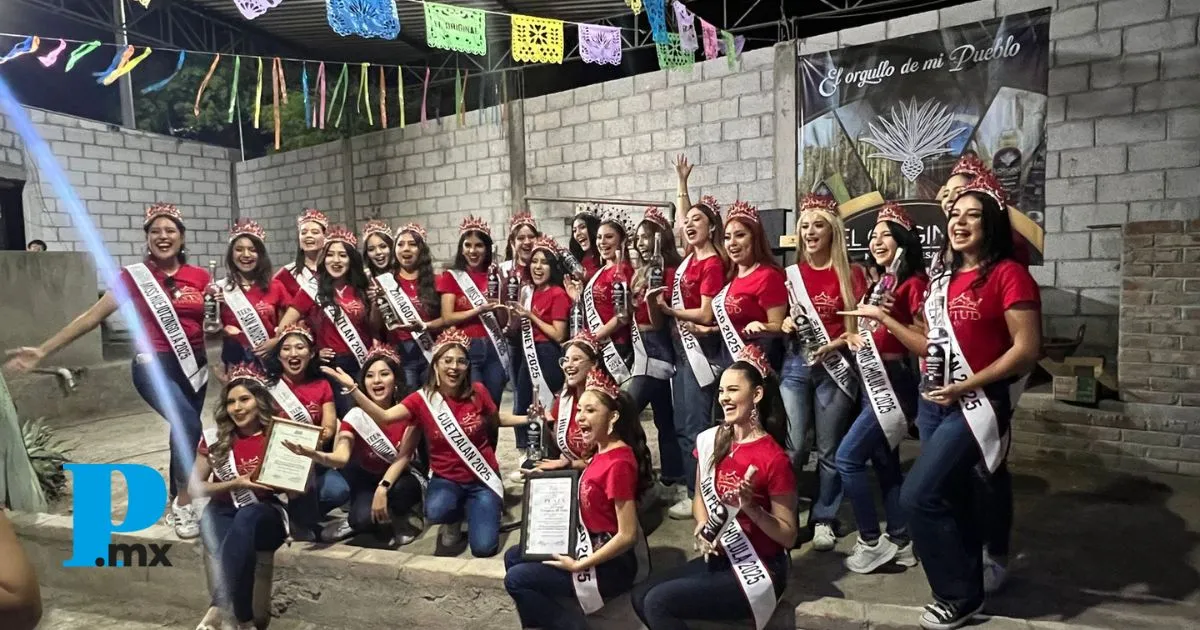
402, 497
344, 402
815, 403
693, 406
647, 390
415, 367
865, 442
545, 596
941, 498
177, 401
447, 502
699, 590
233, 537
327, 490
486, 368
548, 354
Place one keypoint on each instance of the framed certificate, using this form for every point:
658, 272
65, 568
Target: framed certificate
282, 469
551, 509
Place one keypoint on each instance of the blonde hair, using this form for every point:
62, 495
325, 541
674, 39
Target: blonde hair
839, 259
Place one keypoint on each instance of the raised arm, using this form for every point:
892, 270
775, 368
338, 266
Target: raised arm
27, 358
683, 202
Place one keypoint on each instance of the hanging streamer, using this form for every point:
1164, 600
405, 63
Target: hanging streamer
400, 81
29, 45
458, 94
154, 87
537, 40
121, 57
425, 94
80, 52
304, 88
656, 12
321, 87
364, 92
126, 67
233, 87
258, 95
732, 47
672, 56
342, 84
204, 84
49, 59
686, 22
382, 99
709, 33
277, 87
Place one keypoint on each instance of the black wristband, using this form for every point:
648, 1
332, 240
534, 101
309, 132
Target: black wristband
384, 483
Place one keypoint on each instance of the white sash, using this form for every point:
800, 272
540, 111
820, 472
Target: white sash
452, 431
751, 573
880, 392
168, 322
536, 376
371, 434
349, 334
562, 425
291, 405
695, 356
247, 317
977, 409
644, 364
226, 470
612, 358
733, 340
407, 312
835, 363
587, 588
306, 279
495, 335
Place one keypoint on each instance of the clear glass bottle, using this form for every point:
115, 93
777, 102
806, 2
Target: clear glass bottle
535, 449
390, 320
936, 373
654, 274
212, 310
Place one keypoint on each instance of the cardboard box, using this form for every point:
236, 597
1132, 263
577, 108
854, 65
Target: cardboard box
1078, 379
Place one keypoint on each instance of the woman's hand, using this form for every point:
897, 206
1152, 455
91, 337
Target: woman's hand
699, 330
664, 306
870, 311
574, 288
855, 342
566, 563
266, 348
548, 464
741, 497
415, 326
379, 507
243, 482
24, 358
372, 292
231, 331
946, 396
699, 544
683, 168
303, 450
519, 309
327, 355
788, 326
338, 375
822, 352
754, 328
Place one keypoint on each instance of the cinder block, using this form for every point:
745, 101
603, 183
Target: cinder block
1126, 12
649, 81
703, 92
1169, 210
602, 110
1110, 102
740, 129
1163, 155
1087, 274
1184, 62
818, 43
1078, 218
1130, 187
1056, 301
1070, 135
756, 148
667, 99
1183, 182
1068, 246
1106, 245
866, 34
1096, 46
1125, 70
1069, 79
1074, 190
631, 106
618, 88
1160, 36
966, 13
1072, 22
1184, 7
720, 110
1131, 129
648, 122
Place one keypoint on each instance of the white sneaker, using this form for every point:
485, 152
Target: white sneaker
823, 537
867, 557
994, 574
905, 556
187, 524
337, 531
682, 510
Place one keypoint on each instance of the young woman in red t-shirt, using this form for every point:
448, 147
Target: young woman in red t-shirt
385, 490
617, 473
597, 294
472, 260
583, 240
243, 518
341, 298
991, 306
416, 279
753, 433
456, 490
751, 307
889, 392
311, 226
968, 167
824, 276
248, 273
182, 285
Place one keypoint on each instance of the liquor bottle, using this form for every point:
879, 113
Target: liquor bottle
535, 449
620, 292
512, 283
937, 353
493, 283
1006, 161
1033, 201
886, 285
390, 320
654, 275
571, 265
716, 521
212, 310
805, 333
578, 323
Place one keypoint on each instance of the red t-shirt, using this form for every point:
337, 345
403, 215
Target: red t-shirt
978, 314
247, 455
602, 296
910, 300
287, 282
575, 440
365, 456
447, 285
268, 304
409, 287
641, 313
773, 478
472, 414
551, 304
190, 282
313, 394
826, 294
749, 298
590, 266
610, 477
702, 278
324, 330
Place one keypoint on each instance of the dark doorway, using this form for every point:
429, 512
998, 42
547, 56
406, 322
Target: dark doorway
12, 215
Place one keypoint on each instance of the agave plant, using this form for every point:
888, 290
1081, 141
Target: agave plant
913, 134
47, 454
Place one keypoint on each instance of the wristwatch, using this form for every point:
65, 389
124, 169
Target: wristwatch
384, 483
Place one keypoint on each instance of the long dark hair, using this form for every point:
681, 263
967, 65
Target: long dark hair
431, 302
392, 265
460, 261
464, 386
770, 411
512, 236
298, 263
714, 231
913, 261
996, 245
260, 276
628, 427
552, 261
622, 249
181, 257
760, 248
355, 277
225, 424
670, 253
397, 384
592, 223
274, 365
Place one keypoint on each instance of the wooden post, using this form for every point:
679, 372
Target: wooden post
19, 486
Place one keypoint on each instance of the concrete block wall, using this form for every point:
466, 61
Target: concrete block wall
12, 160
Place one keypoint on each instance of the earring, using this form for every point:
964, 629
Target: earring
754, 416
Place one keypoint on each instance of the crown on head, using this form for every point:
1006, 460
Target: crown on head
312, 215
896, 213
586, 338
451, 337
823, 203
655, 216
585, 209
339, 234
599, 381
969, 164
412, 228
711, 202
247, 372
987, 184
159, 209
547, 244
247, 227
615, 216
382, 351
473, 223
742, 211
519, 219
375, 226
296, 328
754, 355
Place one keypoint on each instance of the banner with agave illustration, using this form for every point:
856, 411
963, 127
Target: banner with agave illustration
888, 120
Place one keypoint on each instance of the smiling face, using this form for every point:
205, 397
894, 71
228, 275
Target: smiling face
164, 239
737, 396
816, 233
312, 237
696, 227
645, 240
337, 260
523, 242
954, 183
965, 225
407, 250
474, 249
294, 354
379, 383
242, 408
883, 245
539, 268
576, 364
739, 243
594, 417
452, 368
609, 242
579, 232
245, 255
379, 252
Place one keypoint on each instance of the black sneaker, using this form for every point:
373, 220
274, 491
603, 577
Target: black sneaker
943, 616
